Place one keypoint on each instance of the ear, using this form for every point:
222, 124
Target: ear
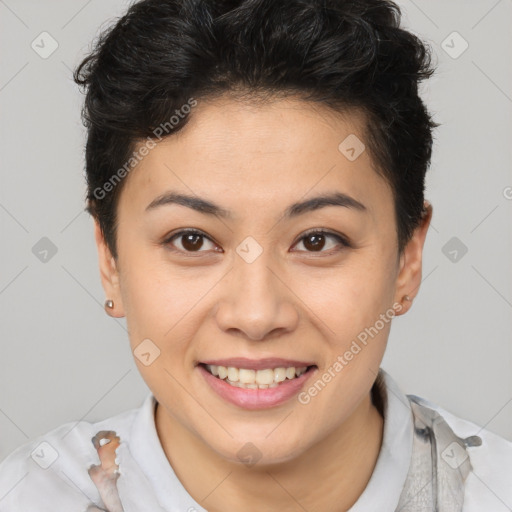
409, 276
109, 273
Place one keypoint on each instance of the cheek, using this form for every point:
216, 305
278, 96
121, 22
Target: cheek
347, 299
161, 300
354, 307
147, 294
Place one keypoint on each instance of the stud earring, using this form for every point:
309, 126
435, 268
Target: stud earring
109, 303
407, 298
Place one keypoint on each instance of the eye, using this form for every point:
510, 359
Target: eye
317, 240
190, 240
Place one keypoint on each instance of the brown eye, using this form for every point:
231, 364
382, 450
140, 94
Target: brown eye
190, 241
316, 241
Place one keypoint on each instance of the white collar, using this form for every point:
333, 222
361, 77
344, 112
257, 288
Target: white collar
388, 478
144, 440
382, 492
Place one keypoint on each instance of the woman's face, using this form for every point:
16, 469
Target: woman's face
260, 281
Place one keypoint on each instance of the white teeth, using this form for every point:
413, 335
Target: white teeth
279, 374
266, 376
232, 373
246, 376
255, 379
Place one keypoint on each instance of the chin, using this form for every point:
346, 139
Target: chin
259, 450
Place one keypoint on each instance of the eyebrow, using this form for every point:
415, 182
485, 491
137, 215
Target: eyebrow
209, 208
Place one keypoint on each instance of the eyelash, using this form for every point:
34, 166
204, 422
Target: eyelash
318, 231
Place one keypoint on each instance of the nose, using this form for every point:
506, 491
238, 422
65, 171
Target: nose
256, 301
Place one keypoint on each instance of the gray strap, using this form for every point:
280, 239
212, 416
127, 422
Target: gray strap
439, 465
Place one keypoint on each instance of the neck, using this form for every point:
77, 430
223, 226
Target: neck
329, 476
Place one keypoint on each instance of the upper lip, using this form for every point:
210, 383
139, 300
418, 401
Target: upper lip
258, 364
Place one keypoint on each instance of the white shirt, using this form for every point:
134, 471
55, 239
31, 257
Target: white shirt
148, 482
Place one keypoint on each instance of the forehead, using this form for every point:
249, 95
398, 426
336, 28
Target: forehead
259, 155
302, 127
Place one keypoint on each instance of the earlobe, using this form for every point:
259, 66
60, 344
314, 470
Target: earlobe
109, 275
409, 277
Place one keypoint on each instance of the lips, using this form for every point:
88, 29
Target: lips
254, 399
258, 364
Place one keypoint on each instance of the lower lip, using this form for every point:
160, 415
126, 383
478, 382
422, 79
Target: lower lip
256, 398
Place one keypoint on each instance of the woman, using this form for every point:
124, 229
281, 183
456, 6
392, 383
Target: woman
255, 173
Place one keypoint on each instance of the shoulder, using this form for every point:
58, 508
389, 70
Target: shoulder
489, 485
51, 471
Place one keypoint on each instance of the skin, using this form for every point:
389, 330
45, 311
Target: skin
291, 302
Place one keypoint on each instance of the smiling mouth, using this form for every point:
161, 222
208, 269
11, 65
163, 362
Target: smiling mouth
256, 379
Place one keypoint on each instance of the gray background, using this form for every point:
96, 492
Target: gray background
63, 359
